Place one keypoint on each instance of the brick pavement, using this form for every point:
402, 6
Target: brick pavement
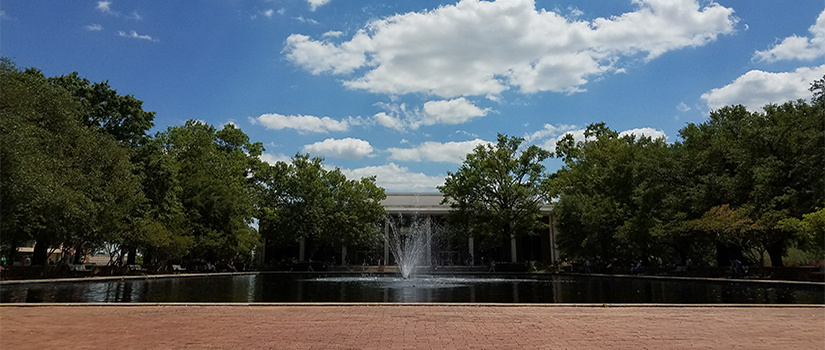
410, 327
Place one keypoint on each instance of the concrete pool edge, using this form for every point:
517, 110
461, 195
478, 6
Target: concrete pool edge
369, 304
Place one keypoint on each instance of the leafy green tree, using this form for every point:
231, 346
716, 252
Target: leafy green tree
213, 170
62, 182
769, 162
302, 200
497, 192
811, 231
614, 192
121, 116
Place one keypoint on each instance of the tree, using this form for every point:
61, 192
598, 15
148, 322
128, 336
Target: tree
614, 192
769, 162
213, 172
62, 182
497, 192
302, 200
810, 231
121, 116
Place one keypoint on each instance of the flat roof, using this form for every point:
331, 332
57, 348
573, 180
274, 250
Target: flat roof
425, 203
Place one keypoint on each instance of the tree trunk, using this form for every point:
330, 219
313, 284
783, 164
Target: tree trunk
78, 256
776, 251
41, 252
130, 260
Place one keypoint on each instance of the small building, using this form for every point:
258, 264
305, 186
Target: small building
443, 250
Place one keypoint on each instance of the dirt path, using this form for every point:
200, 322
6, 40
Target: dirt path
410, 327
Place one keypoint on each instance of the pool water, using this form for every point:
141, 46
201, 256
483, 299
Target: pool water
290, 288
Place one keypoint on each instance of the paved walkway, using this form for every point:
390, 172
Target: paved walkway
410, 327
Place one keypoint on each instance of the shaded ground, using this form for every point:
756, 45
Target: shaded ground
410, 327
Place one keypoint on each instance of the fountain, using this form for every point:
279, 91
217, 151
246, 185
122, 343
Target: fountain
409, 243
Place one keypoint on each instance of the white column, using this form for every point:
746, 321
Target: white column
386, 243
429, 241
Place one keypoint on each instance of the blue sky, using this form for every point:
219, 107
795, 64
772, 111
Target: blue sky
403, 89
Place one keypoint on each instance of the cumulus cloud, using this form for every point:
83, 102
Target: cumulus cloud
397, 178
348, 148
315, 4
796, 47
454, 111
134, 35
323, 56
94, 27
431, 151
302, 123
450, 112
549, 130
482, 48
389, 121
757, 88
105, 7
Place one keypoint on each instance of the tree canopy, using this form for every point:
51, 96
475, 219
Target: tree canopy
497, 192
303, 200
736, 185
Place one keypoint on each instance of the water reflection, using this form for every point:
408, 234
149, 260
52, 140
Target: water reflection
319, 288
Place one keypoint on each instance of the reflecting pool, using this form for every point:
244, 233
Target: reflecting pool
290, 287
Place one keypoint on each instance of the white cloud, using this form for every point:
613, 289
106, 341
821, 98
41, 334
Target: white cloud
682, 107
105, 7
303, 19
756, 88
454, 111
482, 48
798, 48
269, 13
319, 57
348, 148
397, 178
549, 130
302, 123
332, 34
645, 132
450, 112
94, 27
389, 121
315, 4
430, 151
134, 35
274, 158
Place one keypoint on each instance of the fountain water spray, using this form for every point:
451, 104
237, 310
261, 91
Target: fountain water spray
408, 243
